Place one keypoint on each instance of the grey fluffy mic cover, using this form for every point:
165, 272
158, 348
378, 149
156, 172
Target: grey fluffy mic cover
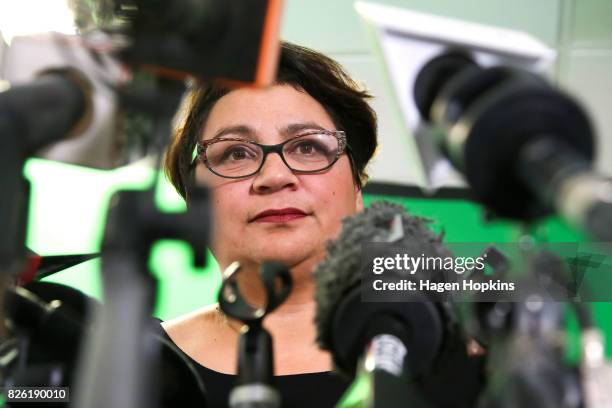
340, 272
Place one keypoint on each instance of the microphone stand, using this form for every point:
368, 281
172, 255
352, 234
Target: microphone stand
14, 204
525, 343
255, 370
117, 362
30, 118
254, 387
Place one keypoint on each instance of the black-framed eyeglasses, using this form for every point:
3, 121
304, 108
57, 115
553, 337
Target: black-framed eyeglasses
311, 152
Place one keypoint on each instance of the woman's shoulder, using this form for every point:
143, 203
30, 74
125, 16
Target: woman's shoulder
204, 316
202, 335
195, 327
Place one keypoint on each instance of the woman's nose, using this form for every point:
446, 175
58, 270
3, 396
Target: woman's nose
274, 175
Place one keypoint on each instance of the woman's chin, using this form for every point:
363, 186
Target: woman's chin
288, 253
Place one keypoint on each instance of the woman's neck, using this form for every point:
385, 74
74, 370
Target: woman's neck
302, 292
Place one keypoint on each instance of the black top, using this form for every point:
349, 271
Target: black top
319, 390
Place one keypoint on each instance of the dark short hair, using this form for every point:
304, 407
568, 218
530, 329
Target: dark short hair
306, 70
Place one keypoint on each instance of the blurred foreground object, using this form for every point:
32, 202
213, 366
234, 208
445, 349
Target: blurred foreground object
475, 95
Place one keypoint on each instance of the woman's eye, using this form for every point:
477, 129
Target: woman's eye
306, 148
237, 153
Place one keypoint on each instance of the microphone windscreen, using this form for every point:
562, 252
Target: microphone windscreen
340, 271
428, 327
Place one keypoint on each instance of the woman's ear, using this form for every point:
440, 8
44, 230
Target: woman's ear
358, 199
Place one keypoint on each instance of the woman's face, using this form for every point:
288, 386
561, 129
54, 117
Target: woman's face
312, 205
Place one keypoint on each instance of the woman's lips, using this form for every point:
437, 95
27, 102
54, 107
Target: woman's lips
280, 215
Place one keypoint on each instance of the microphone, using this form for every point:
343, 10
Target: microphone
91, 75
52, 107
524, 147
408, 349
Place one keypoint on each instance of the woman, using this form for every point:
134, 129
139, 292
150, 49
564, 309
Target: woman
274, 204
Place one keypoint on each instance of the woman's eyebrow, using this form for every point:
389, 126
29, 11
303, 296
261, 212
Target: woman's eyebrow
239, 130
294, 128
247, 131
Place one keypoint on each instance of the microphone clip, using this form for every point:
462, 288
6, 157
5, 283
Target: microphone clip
255, 351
